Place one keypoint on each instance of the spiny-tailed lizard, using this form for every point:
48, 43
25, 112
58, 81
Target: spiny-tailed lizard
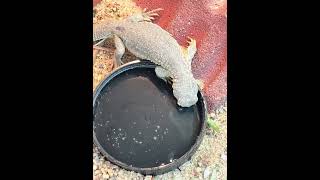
149, 41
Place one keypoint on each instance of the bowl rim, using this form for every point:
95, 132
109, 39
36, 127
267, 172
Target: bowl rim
152, 170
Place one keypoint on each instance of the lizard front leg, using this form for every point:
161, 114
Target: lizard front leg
162, 73
120, 50
189, 52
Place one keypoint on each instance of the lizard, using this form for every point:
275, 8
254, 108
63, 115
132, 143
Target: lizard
149, 41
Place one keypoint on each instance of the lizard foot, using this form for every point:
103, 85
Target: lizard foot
145, 16
148, 15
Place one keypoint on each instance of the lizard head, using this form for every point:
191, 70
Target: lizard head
186, 93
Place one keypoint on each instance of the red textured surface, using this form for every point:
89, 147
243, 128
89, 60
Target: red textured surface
205, 21
95, 2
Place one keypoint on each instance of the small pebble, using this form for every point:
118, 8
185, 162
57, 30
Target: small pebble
103, 171
206, 173
95, 167
214, 175
110, 172
105, 176
224, 157
148, 177
213, 115
96, 161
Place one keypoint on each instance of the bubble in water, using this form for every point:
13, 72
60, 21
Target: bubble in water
123, 138
134, 139
170, 160
140, 142
119, 129
139, 132
154, 137
158, 127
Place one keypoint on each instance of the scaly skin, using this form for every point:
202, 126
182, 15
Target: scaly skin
149, 41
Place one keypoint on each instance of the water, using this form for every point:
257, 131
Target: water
141, 116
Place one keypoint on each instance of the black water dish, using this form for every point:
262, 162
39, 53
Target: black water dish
138, 125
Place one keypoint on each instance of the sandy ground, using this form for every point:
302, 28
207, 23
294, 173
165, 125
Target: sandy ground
210, 160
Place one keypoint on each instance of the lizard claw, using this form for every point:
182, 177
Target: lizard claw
190, 40
154, 10
148, 16
148, 19
153, 14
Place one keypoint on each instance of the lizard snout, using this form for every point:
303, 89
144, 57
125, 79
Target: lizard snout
187, 102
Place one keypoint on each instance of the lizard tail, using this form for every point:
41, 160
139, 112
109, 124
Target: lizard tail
102, 31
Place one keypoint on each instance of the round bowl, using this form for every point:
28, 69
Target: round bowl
138, 125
